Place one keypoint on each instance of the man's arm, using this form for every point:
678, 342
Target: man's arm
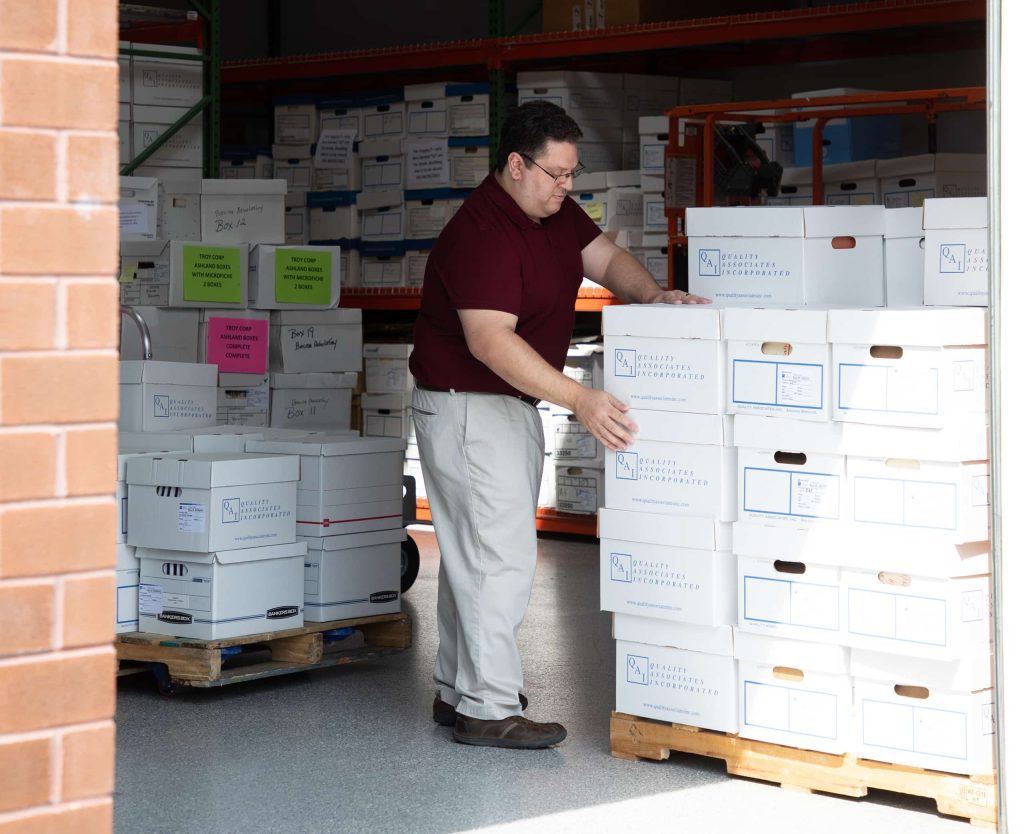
613, 267
492, 339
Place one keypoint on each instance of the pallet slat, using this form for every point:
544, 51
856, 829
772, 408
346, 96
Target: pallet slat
971, 797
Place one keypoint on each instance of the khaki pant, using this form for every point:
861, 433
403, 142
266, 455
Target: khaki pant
482, 456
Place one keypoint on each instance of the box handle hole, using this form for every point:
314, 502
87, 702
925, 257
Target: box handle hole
893, 579
909, 182
844, 242
790, 567
776, 348
848, 186
919, 692
788, 673
886, 352
903, 463
791, 458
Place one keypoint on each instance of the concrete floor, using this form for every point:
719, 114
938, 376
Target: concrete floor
355, 750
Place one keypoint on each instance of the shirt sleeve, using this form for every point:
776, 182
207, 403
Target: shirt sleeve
484, 272
584, 228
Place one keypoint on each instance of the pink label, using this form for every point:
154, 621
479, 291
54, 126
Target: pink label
238, 346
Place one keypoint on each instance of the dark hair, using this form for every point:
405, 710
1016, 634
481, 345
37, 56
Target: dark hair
529, 126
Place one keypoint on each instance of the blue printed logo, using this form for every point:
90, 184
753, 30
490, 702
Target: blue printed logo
709, 263
953, 257
622, 567
625, 363
161, 405
231, 510
627, 466
636, 669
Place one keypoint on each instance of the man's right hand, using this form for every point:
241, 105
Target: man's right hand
605, 417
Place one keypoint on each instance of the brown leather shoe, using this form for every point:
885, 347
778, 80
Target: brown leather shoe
444, 713
514, 731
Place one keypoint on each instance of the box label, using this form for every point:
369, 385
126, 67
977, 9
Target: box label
191, 517
888, 388
302, 276
781, 492
784, 384
212, 274
238, 346
790, 710
151, 599
427, 163
905, 503
334, 149
784, 602
134, 218
595, 210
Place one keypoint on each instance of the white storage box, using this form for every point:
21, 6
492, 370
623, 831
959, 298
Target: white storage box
126, 599
571, 443
469, 162
321, 401
426, 218
661, 474
666, 356
207, 502
164, 396
145, 275
336, 219
910, 180
243, 211
387, 368
667, 568
228, 593
157, 441
294, 277
296, 221
382, 164
584, 363
209, 275
924, 368
297, 172
468, 109
426, 110
779, 362
415, 266
243, 400
956, 252
296, 122
386, 415
795, 693
784, 485
139, 208
345, 113
578, 489
792, 599
358, 575
612, 199
592, 99
384, 119
174, 334
174, 82
336, 180
246, 164
182, 150
381, 215
233, 438
382, 266
852, 184
904, 257
237, 342
347, 484
795, 187
316, 341
652, 253
843, 259
654, 212
180, 209
653, 131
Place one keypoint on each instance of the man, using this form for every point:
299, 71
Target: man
494, 326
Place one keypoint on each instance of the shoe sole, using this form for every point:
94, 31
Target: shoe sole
444, 721
511, 744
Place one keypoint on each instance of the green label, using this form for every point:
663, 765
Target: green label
212, 274
302, 276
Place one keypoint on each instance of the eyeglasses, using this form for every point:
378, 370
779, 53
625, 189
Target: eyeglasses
560, 179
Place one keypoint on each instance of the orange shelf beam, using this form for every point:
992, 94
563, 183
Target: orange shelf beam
590, 299
548, 521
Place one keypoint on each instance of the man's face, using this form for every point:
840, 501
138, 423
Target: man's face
542, 195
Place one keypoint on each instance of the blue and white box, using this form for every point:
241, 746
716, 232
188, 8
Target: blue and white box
126, 591
469, 158
296, 121
910, 180
165, 396
846, 140
384, 117
469, 112
667, 567
956, 252
653, 131
904, 257
853, 184
381, 216
571, 443
779, 362
294, 165
578, 489
426, 110
382, 164
665, 357
345, 113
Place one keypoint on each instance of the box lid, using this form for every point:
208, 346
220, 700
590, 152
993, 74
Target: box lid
149, 249
225, 557
156, 441
134, 371
904, 222
706, 639
328, 445
207, 314
956, 213
693, 429
246, 188
137, 184
568, 78
590, 181
929, 327
664, 321
864, 169
832, 221
228, 380
209, 469
338, 315
313, 380
803, 326
969, 674
928, 163
653, 184
159, 114
745, 221
192, 186
690, 532
797, 176
794, 654
422, 92
647, 125
368, 200
350, 541
181, 50
374, 351
467, 89
373, 148
392, 401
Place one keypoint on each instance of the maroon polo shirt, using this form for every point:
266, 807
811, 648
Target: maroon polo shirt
491, 256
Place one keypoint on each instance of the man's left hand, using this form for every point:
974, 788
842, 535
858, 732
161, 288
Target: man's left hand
677, 297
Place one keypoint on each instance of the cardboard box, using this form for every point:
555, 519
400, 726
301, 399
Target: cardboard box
316, 341
847, 140
209, 502
666, 568
904, 257
924, 368
967, 674
236, 342
795, 188
124, 134
343, 113
910, 180
579, 489
594, 100
843, 260
145, 273
182, 150
169, 82
469, 112
616, 201
654, 212
426, 110
382, 266
294, 277
956, 252
157, 441
659, 473
179, 209
584, 363
358, 575
297, 172
381, 215
336, 222
384, 118
225, 439
296, 225
243, 211
163, 396
572, 443
174, 335
296, 121
229, 593
853, 184
246, 163
426, 218
382, 164
321, 401
387, 368
791, 486
346, 484
415, 267
126, 600
139, 208
386, 415
125, 553
653, 133
791, 599
795, 693
243, 400
779, 362
209, 275
666, 356
336, 179
470, 162
652, 253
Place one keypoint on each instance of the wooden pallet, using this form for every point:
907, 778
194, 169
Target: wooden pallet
972, 797
192, 662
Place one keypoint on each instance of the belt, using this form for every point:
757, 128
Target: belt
528, 400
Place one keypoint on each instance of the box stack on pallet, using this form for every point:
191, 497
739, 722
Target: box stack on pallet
848, 606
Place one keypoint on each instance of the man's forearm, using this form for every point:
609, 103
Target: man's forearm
628, 280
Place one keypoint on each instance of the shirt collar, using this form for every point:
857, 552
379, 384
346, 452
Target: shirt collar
501, 198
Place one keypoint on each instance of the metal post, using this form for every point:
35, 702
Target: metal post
211, 88
818, 161
496, 77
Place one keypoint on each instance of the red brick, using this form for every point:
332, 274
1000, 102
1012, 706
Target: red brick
95, 818
27, 465
39, 92
92, 314
91, 461
42, 541
56, 240
58, 389
26, 618
89, 610
92, 28
25, 766
28, 25
28, 163
88, 757
27, 314
91, 164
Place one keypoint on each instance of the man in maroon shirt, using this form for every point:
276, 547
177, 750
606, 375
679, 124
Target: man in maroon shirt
499, 299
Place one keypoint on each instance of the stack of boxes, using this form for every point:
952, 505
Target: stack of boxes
574, 462
386, 404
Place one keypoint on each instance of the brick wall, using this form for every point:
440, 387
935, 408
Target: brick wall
58, 406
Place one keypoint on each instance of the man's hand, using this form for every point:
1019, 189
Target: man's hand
605, 418
676, 297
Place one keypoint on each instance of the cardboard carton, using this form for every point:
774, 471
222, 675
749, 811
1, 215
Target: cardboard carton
243, 211
294, 277
956, 252
208, 275
164, 396
311, 400
321, 341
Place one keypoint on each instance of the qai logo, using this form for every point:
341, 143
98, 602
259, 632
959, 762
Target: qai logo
231, 510
626, 466
161, 405
636, 669
953, 257
625, 363
622, 567
710, 263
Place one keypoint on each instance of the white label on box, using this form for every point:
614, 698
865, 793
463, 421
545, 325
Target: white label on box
334, 149
780, 492
790, 603
258, 397
906, 503
151, 599
573, 441
191, 517
134, 217
176, 600
888, 388
795, 385
428, 165
790, 710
